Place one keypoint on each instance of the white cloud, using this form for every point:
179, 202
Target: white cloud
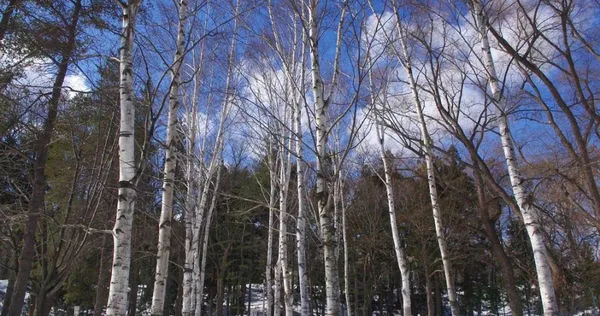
76, 83
39, 74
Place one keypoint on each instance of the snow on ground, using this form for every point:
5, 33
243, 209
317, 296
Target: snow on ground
3, 287
255, 295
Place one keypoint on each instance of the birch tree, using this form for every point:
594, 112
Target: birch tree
269, 285
376, 98
211, 210
553, 53
455, 116
324, 170
285, 168
293, 66
166, 212
193, 289
451, 112
191, 172
301, 218
345, 240
529, 212
119, 280
398, 247
427, 144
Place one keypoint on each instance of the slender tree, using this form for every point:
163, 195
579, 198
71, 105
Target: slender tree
324, 170
119, 279
166, 212
427, 143
529, 212
285, 169
41, 147
398, 247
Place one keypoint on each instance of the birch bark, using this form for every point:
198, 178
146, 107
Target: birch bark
529, 212
398, 249
301, 221
283, 261
346, 257
119, 280
212, 168
201, 211
190, 208
269, 261
206, 236
433, 194
166, 213
290, 69
325, 176
277, 290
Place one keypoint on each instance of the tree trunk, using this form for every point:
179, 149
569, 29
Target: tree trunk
346, 263
11, 284
41, 302
431, 181
324, 169
119, 281
529, 212
398, 249
205, 181
290, 68
38, 186
206, 236
283, 262
166, 212
429, 294
220, 294
301, 221
190, 209
188, 267
133, 289
201, 212
249, 306
100, 287
6, 16
277, 290
270, 235
508, 277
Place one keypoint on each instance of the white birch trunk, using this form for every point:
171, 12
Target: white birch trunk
398, 249
290, 70
190, 203
269, 261
166, 213
188, 268
277, 290
206, 236
188, 264
433, 194
301, 221
119, 280
529, 212
201, 212
401, 259
283, 262
346, 265
210, 172
324, 169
